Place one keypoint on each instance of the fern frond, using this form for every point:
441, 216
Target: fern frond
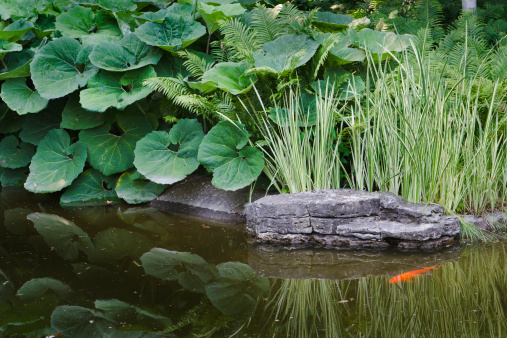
196, 63
239, 39
323, 52
265, 25
220, 51
170, 87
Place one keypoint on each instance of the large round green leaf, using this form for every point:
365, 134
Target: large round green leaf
175, 32
223, 150
20, 98
9, 47
16, 65
110, 153
80, 322
75, 117
23, 8
37, 126
79, 21
231, 77
16, 30
56, 163
61, 67
130, 53
137, 190
64, 236
330, 22
213, 14
37, 287
236, 290
13, 177
167, 158
379, 44
285, 53
14, 154
117, 5
91, 188
107, 89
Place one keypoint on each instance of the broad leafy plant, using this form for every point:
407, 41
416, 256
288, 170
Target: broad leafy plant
110, 101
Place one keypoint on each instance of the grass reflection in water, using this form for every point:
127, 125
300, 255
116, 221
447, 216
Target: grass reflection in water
464, 298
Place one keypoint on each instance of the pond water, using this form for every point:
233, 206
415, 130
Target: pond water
123, 271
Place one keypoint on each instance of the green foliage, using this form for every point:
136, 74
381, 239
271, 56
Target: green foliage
56, 163
166, 158
224, 151
79, 111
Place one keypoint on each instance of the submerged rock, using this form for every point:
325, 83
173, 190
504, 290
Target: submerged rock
349, 218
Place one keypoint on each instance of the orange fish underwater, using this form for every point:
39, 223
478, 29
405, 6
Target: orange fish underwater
408, 276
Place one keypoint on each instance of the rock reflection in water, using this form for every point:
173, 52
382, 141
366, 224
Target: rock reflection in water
283, 263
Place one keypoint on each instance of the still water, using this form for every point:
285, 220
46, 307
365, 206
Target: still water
123, 271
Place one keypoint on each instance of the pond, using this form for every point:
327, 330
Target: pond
122, 271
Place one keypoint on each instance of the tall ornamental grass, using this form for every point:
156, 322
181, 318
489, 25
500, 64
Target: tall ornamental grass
415, 135
301, 155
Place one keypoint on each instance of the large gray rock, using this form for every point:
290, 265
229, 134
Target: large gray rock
349, 218
196, 196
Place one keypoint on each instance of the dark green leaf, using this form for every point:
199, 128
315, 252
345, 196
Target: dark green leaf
231, 77
223, 150
285, 53
91, 188
76, 117
166, 158
330, 22
56, 163
130, 53
135, 191
61, 67
16, 65
14, 154
13, 177
110, 153
175, 32
107, 89
20, 98
37, 126
79, 21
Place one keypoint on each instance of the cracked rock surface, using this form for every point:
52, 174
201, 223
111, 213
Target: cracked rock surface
349, 218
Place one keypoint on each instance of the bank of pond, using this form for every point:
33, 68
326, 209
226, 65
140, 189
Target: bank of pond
122, 271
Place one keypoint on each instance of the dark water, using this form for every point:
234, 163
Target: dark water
123, 271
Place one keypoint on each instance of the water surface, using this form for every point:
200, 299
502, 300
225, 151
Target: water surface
123, 271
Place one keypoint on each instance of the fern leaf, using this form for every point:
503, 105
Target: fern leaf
239, 39
265, 25
196, 63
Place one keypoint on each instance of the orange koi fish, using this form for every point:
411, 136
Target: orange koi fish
408, 276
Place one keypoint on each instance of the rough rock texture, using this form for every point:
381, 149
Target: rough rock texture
196, 196
349, 218
284, 263
489, 221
